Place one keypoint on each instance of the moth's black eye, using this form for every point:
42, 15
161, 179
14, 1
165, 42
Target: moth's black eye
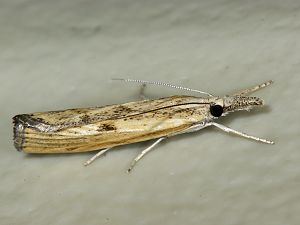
216, 110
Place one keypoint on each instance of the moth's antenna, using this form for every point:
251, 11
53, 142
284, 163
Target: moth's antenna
162, 84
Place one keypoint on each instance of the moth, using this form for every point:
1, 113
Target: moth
102, 128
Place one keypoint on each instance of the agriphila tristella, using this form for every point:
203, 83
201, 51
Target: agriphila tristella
90, 129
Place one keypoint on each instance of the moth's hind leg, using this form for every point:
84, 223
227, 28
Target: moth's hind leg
96, 156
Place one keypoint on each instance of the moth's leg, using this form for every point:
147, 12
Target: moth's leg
96, 156
143, 153
193, 128
229, 130
142, 92
253, 89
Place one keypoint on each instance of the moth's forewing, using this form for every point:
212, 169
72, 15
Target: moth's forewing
88, 129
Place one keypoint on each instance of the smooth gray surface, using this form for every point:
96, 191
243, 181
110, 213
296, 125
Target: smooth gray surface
62, 54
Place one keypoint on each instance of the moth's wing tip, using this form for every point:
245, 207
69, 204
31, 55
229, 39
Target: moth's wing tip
18, 130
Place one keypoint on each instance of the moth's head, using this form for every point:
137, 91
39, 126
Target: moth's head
222, 106
237, 102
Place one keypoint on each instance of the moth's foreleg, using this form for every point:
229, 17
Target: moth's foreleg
229, 130
143, 153
96, 156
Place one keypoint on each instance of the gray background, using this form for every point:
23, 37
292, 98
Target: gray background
62, 54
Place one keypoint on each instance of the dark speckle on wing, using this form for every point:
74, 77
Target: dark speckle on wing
106, 127
85, 119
